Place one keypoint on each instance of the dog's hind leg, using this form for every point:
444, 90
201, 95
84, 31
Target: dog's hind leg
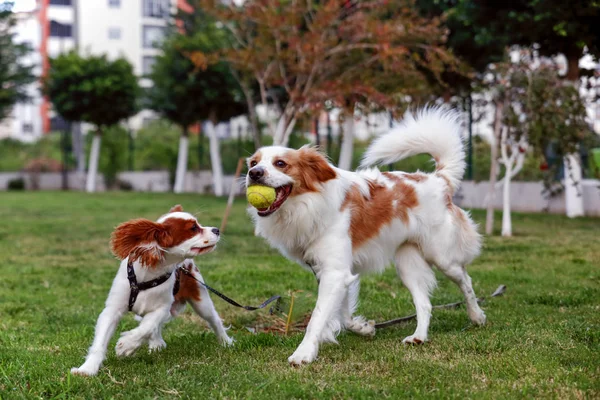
358, 324
205, 308
419, 279
458, 274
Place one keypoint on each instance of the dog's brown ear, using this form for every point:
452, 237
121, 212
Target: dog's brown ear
140, 239
176, 208
315, 165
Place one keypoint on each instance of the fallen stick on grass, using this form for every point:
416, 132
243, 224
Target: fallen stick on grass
498, 292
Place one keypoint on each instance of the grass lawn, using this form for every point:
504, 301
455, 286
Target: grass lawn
542, 337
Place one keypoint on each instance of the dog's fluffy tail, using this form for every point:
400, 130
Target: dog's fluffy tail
434, 130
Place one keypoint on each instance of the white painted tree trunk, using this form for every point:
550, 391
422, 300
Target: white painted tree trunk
90, 184
489, 217
78, 149
182, 162
283, 130
215, 158
347, 147
573, 193
506, 218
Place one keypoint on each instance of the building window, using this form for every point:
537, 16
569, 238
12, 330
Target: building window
152, 36
114, 3
27, 128
114, 33
60, 2
156, 8
147, 64
60, 30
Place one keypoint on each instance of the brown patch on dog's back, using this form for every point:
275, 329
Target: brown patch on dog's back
416, 177
308, 168
188, 286
369, 215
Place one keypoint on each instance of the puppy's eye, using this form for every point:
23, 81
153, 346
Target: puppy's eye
253, 163
195, 228
280, 164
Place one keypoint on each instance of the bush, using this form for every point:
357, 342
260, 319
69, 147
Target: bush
16, 184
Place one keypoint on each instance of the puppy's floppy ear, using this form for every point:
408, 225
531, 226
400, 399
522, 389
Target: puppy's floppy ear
140, 239
176, 208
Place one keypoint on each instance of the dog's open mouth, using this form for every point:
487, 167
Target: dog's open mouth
281, 195
203, 250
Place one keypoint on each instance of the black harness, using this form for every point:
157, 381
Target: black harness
136, 288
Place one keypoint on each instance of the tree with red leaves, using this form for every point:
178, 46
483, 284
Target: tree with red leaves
302, 54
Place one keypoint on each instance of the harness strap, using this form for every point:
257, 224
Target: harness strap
136, 288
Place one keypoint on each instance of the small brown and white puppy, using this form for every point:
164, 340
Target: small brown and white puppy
341, 224
156, 249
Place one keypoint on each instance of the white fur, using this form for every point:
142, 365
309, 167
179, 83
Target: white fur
153, 306
313, 230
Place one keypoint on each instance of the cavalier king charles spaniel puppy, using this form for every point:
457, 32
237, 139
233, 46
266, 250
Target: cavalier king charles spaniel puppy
341, 224
156, 279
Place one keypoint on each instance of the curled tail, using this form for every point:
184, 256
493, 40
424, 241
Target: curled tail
434, 130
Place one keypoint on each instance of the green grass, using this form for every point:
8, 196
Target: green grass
542, 339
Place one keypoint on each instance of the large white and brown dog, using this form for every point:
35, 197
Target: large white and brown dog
340, 224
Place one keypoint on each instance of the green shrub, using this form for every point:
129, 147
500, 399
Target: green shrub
16, 184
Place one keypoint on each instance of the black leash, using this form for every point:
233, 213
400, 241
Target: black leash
498, 292
233, 302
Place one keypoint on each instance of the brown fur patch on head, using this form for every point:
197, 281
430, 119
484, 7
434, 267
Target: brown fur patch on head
255, 157
176, 208
369, 215
308, 168
188, 286
146, 240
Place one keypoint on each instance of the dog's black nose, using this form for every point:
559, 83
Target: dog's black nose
215, 231
256, 173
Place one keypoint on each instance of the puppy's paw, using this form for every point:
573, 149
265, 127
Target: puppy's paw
156, 345
304, 354
414, 339
126, 347
84, 371
361, 326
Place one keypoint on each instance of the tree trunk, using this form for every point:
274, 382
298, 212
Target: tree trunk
182, 161
506, 220
284, 128
572, 167
65, 156
489, 217
90, 185
347, 148
215, 158
78, 147
573, 191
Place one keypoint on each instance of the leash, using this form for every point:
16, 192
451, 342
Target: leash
498, 292
235, 303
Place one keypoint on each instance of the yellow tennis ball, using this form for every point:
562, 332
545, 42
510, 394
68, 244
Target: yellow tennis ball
260, 196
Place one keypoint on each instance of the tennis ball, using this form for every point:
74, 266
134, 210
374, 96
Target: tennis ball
260, 196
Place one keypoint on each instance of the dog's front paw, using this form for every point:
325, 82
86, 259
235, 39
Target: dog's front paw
84, 371
126, 347
226, 341
414, 339
361, 326
156, 345
304, 354
478, 317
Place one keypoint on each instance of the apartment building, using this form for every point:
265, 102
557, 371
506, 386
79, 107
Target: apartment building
129, 28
